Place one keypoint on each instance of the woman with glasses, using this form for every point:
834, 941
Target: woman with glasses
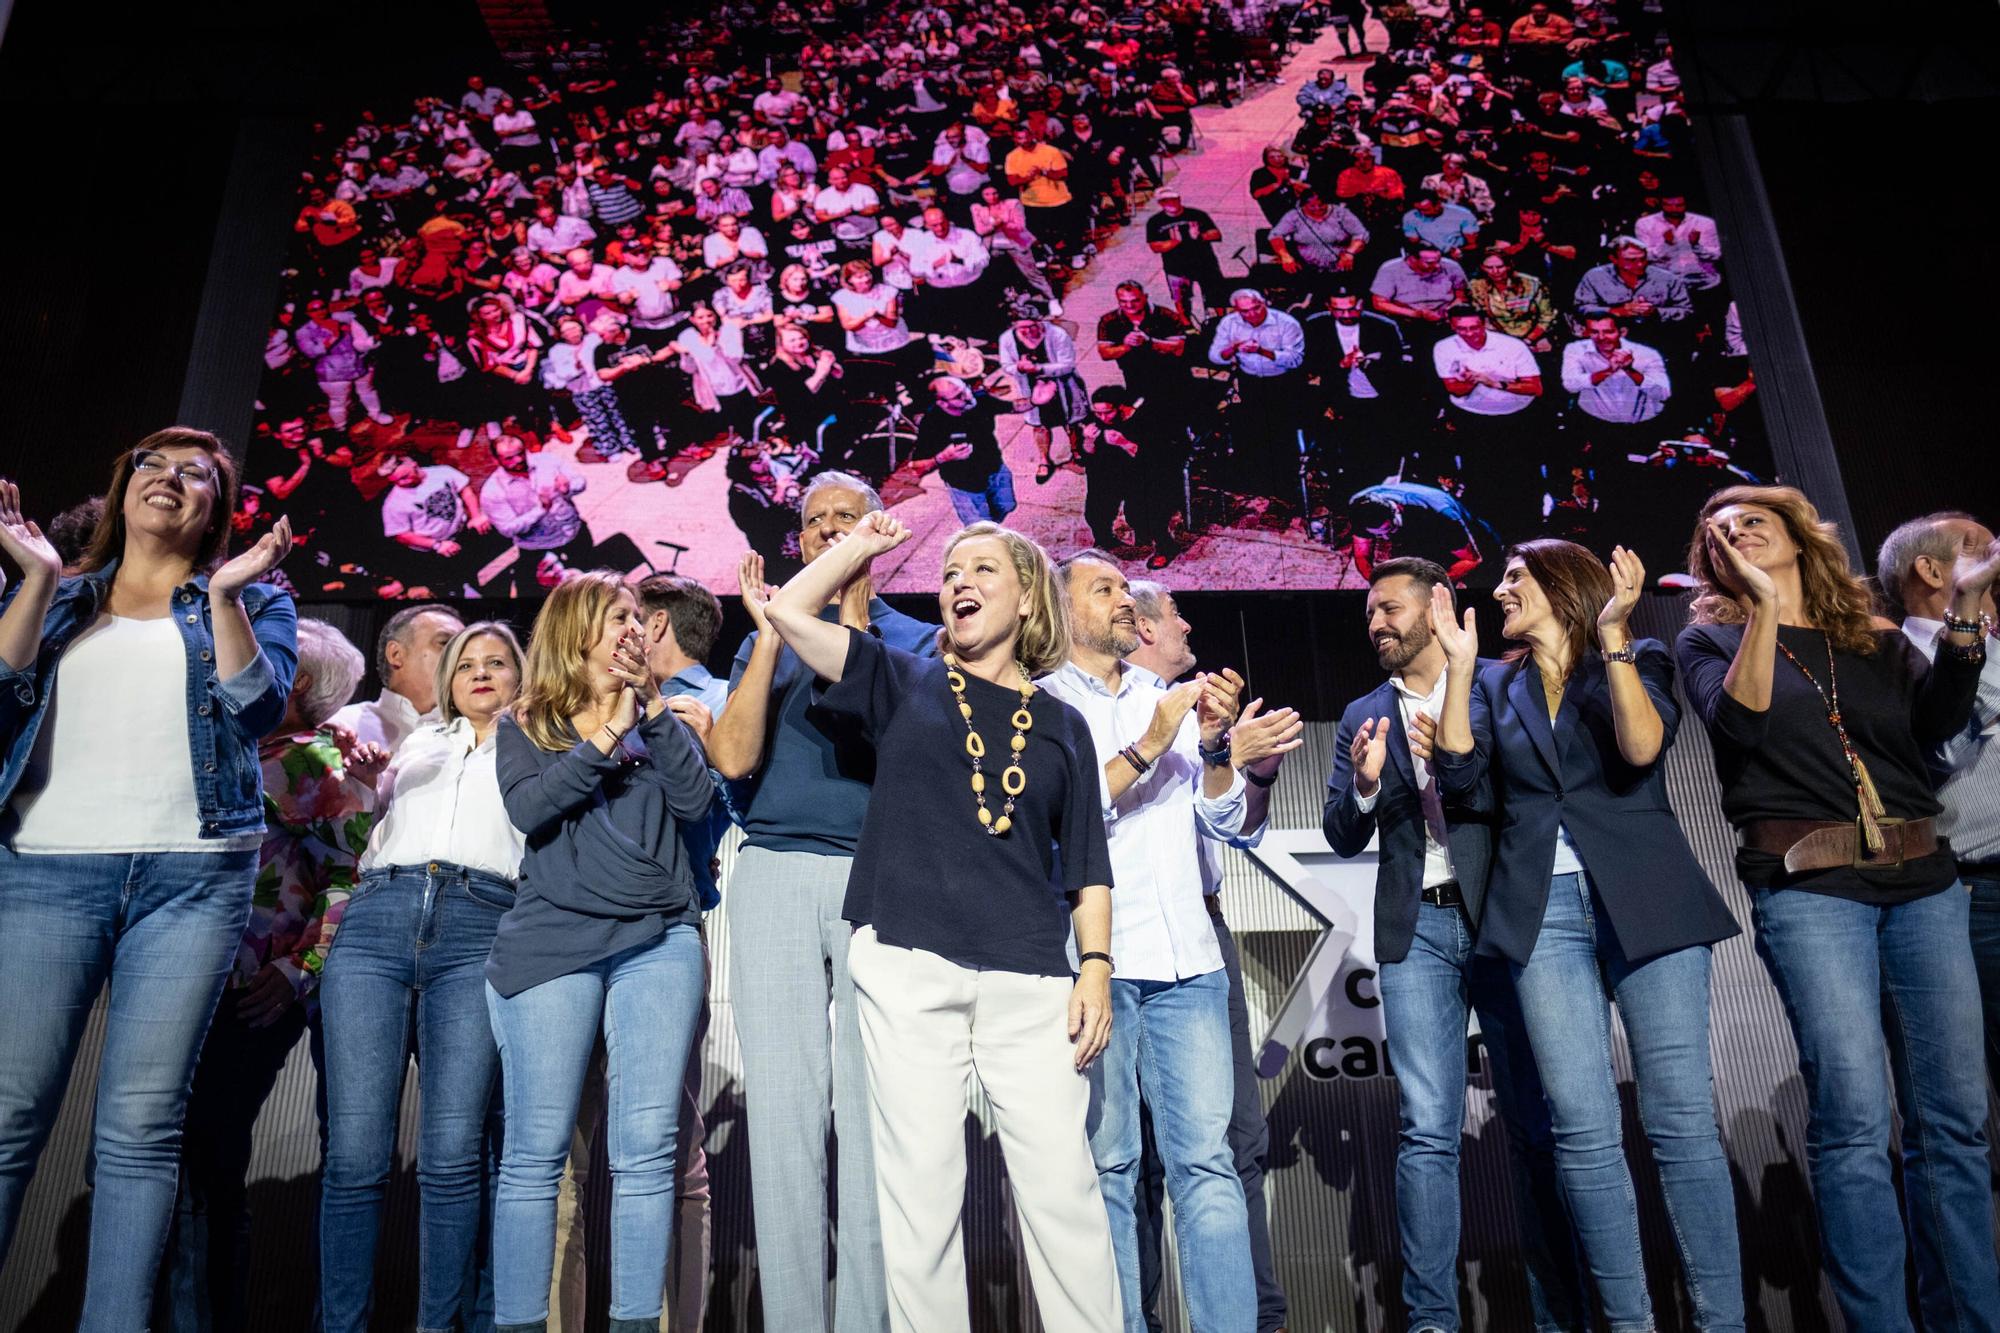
139, 688
409, 974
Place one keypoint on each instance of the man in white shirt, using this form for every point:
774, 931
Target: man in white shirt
1171, 775
1915, 573
1430, 883
948, 264
781, 149
553, 235
1618, 383
1163, 650
1490, 380
1266, 348
529, 498
1681, 242
643, 285
406, 658
848, 208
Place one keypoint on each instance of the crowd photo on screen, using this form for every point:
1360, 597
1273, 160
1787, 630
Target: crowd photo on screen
1268, 292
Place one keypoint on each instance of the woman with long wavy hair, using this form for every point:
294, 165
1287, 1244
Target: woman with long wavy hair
958, 954
603, 936
1820, 723
133, 696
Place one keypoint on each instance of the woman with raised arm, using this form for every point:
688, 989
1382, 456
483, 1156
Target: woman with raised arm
133, 696
599, 775
958, 955
408, 973
1595, 897
1820, 723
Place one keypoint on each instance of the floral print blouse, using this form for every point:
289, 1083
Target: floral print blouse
316, 821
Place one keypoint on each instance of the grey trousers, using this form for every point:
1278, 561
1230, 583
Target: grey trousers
801, 1077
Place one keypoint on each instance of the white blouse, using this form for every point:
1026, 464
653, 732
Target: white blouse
441, 802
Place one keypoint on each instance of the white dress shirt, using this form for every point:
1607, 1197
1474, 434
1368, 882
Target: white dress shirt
441, 802
1616, 398
1437, 855
1160, 927
1502, 357
385, 720
1970, 793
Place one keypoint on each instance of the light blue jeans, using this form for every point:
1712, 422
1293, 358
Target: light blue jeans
1564, 989
162, 929
1171, 1040
646, 1001
1849, 973
993, 501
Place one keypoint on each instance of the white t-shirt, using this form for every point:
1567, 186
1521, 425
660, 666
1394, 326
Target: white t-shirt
1502, 357
431, 508
871, 338
111, 770
849, 223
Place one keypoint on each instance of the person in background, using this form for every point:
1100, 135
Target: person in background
802, 778
1430, 889
680, 619
1594, 896
603, 937
1040, 357
317, 810
1176, 775
958, 440
406, 661
440, 868
69, 532
1914, 571
1266, 348
139, 686
530, 500
960, 922
1820, 723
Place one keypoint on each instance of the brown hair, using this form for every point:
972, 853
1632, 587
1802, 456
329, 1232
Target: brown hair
1576, 584
1835, 598
556, 685
107, 539
693, 614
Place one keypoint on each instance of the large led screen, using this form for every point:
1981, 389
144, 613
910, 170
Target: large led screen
1251, 303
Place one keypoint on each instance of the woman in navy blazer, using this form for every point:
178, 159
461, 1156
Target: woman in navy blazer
1594, 896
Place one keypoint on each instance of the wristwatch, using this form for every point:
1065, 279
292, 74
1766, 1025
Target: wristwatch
1628, 655
1218, 757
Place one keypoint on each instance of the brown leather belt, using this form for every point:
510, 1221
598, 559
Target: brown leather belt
1810, 844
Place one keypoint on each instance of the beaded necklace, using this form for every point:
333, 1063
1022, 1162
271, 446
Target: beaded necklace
1865, 795
1014, 778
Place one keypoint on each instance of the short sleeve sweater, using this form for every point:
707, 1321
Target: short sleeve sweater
1786, 762
927, 875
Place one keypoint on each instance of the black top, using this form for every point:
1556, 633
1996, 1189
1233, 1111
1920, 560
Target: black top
1786, 762
606, 868
940, 429
1193, 256
927, 874
1148, 371
1568, 775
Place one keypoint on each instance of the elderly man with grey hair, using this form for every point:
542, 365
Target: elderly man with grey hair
1266, 348
406, 658
1914, 571
318, 804
800, 784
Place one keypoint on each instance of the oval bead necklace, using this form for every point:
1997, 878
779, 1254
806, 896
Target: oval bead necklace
1014, 778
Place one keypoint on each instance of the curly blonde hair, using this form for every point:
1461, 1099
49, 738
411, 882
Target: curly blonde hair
557, 683
1044, 641
1836, 600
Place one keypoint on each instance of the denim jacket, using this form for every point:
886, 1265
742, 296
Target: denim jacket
226, 718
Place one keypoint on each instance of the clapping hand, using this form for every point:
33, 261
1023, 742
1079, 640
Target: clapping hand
1423, 736
1261, 740
1747, 583
1628, 577
695, 713
1368, 751
757, 594
260, 559
1460, 640
1972, 575
22, 539
1221, 699
364, 761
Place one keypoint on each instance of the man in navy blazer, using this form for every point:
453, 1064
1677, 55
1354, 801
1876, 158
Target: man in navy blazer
1430, 880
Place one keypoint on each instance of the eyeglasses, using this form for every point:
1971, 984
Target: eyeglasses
189, 473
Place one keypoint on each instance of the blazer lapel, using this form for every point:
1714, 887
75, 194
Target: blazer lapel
1569, 715
1389, 704
1525, 692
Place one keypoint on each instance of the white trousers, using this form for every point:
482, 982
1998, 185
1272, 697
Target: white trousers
928, 1026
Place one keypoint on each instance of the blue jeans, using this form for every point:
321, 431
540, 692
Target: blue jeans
1170, 1044
1985, 935
162, 928
1852, 974
407, 969
1664, 1002
994, 500
1426, 998
646, 1000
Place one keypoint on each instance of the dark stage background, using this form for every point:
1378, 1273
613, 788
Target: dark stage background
118, 137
